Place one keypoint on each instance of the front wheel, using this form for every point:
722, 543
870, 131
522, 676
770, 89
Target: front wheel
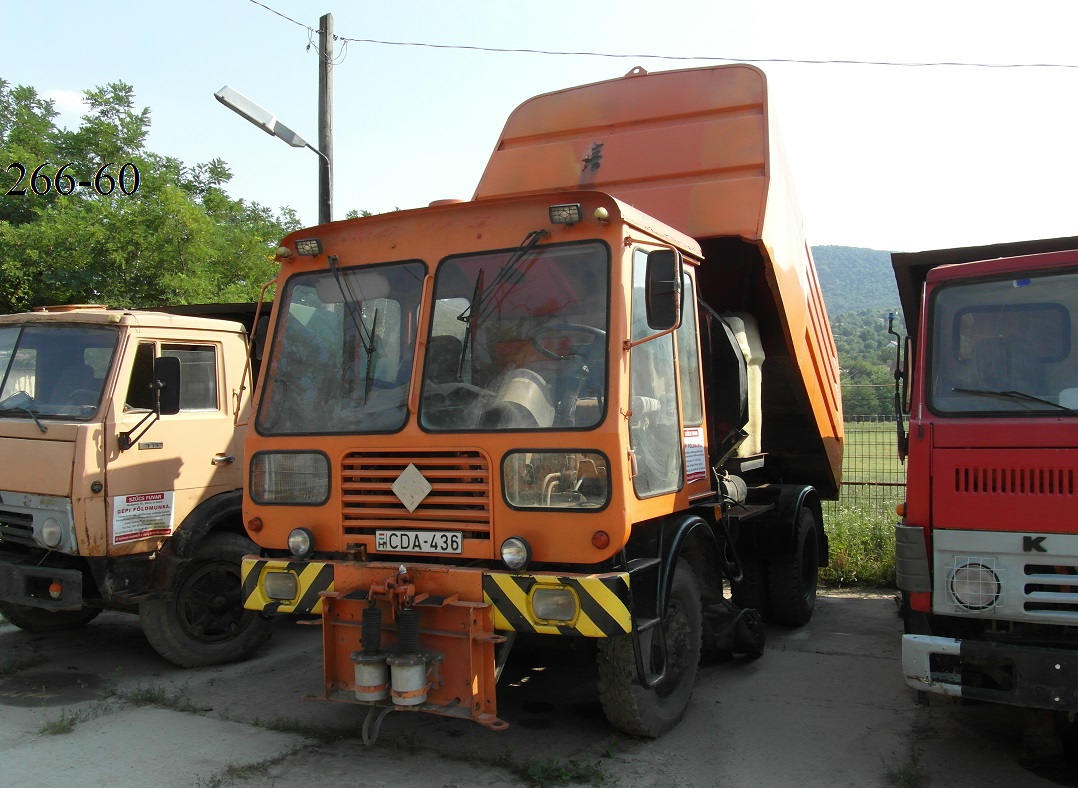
202, 620
36, 619
633, 708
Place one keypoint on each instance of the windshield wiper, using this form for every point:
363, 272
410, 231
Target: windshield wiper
469, 317
32, 415
1018, 395
507, 273
365, 337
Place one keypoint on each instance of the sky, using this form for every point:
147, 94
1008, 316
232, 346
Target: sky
898, 158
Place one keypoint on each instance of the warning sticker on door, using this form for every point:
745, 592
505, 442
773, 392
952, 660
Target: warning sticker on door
141, 516
695, 457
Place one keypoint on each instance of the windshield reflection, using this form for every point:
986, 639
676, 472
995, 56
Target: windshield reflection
54, 370
518, 341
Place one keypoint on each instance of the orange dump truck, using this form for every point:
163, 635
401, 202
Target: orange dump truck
580, 405
120, 484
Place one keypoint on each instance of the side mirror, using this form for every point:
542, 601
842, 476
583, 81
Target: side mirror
662, 289
166, 376
166, 373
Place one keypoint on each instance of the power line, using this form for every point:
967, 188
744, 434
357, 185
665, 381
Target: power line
707, 58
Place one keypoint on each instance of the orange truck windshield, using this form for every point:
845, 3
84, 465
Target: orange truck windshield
518, 343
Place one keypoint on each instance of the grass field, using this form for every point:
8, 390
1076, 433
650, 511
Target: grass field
860, 524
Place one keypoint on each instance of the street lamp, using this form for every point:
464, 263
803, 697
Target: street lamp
268, 122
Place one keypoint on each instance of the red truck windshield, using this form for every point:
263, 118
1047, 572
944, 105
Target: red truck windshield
1004, 346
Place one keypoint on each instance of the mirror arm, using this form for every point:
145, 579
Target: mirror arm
629, 344
128, 438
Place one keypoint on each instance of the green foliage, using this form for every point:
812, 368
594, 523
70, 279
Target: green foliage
853, 279
179, 238
862, 545
866, 354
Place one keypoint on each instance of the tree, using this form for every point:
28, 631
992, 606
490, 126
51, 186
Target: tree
173, 236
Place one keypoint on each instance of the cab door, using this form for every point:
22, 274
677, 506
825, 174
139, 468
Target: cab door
175, 461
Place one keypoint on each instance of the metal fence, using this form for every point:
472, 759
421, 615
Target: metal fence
873, 479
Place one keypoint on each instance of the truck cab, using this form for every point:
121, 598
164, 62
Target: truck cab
122, 485
987, 545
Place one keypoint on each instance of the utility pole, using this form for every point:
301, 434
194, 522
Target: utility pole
325, 119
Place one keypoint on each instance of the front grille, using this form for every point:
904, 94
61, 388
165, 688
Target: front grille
16, 528
1051, 588
459, 499
1015, 481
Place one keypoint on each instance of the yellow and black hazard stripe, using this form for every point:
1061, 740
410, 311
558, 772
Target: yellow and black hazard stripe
312, 578
602, 603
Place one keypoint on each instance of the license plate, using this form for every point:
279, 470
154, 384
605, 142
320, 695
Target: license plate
418, 542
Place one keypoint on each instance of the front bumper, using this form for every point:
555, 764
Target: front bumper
446, 623
28, 585
1027, 676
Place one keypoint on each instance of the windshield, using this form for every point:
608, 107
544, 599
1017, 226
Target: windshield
518, 340
1005, 346
342, 351
54, 371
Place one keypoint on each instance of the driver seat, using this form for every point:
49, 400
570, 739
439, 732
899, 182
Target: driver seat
75, 378
1008, 364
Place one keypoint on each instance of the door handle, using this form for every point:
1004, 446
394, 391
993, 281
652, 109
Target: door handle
223, 459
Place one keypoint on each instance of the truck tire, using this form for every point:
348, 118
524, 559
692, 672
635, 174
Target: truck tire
791, 580
201, 621
36, 619
649, 713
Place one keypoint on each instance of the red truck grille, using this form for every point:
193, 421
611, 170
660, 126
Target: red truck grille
1015, 481
459, 498
1015, 490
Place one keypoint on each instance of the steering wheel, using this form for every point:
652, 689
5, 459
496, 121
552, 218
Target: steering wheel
82, 397
558, 329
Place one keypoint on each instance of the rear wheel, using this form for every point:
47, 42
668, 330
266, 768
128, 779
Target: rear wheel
638, 710
203, 621
36, 619
792, 579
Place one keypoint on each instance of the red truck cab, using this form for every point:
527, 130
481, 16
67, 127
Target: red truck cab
987, 547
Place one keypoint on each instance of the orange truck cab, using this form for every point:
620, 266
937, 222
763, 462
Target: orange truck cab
580, 404
120, 487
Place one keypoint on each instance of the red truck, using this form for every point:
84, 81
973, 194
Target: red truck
987, 544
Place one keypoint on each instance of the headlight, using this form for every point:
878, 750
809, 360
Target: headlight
281, 586
516, 553
301, 542
289, 478
52, 533
556, 479
554, 604
975, 586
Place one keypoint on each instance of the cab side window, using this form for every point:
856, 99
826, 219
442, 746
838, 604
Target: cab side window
198, 377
